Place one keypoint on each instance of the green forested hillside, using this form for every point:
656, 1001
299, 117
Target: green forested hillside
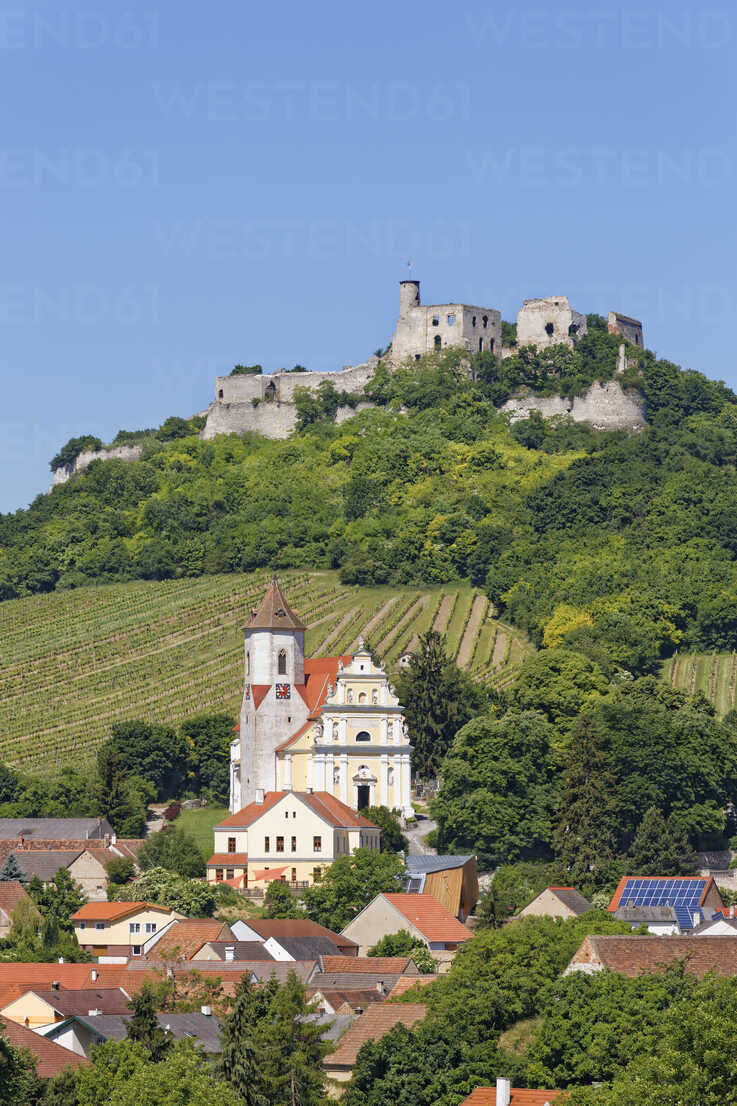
619, 547
75, 662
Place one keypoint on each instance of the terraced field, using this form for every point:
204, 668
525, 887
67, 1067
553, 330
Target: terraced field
72, 663
714, 674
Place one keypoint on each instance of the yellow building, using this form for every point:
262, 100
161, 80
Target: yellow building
331, 724
116, 929
287, 835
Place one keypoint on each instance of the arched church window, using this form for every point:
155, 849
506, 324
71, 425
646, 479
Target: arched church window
282, 662
364, 735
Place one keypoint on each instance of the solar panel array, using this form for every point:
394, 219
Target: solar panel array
683, 895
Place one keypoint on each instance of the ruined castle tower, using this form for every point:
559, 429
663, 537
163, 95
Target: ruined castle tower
272, 706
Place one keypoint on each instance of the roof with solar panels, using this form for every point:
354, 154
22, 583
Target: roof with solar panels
685, 895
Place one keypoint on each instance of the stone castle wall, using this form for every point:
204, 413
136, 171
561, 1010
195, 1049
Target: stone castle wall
604, 406
119, 452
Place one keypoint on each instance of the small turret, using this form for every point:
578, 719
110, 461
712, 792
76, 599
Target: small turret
409, 295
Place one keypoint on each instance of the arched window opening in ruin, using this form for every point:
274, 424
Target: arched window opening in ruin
418, 356
481, 344
220, 393
436, 320
438, 341
573, 329
473, 320
282, 662
491, 345
451, 319
549, 328
485, 321
270, 391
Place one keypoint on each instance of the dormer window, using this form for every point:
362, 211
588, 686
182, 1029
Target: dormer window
282, 662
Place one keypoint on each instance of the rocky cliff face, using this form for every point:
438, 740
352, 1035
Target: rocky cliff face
604, 406
121, 452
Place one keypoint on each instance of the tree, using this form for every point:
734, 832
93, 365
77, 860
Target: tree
239, 1057
438, 700
403, 943
123, 1075
513, 886
60, 899
208, 737
661, 847
120, 870
19, 1083
279, 902
190, 896
392, 838
586, 835
12, 871
173, 849
25, 931
149, 751
144, 1025
498, 791
350, 883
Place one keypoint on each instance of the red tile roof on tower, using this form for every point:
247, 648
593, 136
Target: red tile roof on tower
435, 923
50, 1057
273, 612
325, 805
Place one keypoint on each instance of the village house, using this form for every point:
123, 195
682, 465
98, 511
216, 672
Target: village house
81, 1033
12, 894
287, 835
118, 930
420, 915
504, 1094
556, 902
633, 955
689, 898
373, 1024
452, 880
50, 1058
274, 930
38, 1007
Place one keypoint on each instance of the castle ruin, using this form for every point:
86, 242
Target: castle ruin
549, 322
423, 329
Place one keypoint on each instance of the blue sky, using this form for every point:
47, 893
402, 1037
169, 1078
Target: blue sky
186, 186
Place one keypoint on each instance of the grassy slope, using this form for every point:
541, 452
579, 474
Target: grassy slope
200, 822
72, 663
713, 674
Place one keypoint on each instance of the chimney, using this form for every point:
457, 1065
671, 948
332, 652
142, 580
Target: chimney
503, 1091
106, 839
260, 795
114, 839
230, 952
60, 960
207, 1011
55, 985
94, 975
380, 986
93, 1013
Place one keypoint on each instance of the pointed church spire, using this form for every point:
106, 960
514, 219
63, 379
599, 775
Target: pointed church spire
274, 613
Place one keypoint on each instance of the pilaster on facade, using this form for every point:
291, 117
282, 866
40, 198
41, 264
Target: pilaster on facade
344, 778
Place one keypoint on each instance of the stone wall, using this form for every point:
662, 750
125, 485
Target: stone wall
603, 406
628, 328
423, 329
119, 452
549, 322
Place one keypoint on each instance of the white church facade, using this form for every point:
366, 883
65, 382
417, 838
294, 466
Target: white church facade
325, 724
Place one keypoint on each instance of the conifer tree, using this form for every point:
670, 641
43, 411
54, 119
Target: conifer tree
585, 837
239, 1059
144, 1025
661, 847
11, 870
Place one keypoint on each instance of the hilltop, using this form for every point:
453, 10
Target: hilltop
75, 662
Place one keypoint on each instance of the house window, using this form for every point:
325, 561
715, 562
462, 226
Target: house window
364, 735
294, 875
282, 662
150, 927
317, 844
81, 925
316, 875
136, 950
266, 844
417, 356
286, 813
218, 875
229, 873
294, 814
280, 844
134, 927
99, 925
451, 319
294, 844
231, 844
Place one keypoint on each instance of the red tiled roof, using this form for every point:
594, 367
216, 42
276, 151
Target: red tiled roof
344, 997
706, 880
379, 1019
229, 859
434, 922
273, 612
259, 693
486, 1096
633, 955
17, 978
372, 965
326, 806
112, 911
50, 1057
185, 938
408, 981
11, 893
